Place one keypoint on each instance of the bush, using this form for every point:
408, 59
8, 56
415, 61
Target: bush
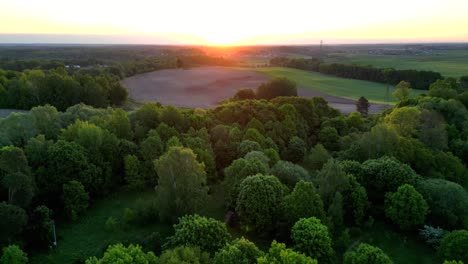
364, 254
432, 235
13, 255
311, 237
240, 251
279, 254
205, 233
111, 224
184, 254
295, 151
75, 199
454, 246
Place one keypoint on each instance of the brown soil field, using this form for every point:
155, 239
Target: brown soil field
206, 87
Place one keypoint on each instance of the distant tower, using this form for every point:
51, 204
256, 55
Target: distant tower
321, 48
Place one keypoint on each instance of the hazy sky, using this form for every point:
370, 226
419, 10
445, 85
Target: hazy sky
233, 21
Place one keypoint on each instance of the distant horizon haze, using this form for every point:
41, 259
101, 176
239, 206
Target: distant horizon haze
236, 23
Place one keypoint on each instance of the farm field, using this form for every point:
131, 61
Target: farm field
208, 86
335, 86
448, 63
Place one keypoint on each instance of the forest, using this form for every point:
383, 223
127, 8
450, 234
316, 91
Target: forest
287, 170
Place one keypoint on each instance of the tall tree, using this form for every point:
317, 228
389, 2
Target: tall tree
181, 185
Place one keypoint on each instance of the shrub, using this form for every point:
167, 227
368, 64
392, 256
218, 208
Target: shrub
311, 237
454, 246
364, 254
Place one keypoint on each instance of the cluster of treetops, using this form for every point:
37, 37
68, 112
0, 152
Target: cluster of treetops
293, 170
420, 80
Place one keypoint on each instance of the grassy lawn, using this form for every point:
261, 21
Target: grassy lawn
402, 249
448, 63
342, 87
87, 237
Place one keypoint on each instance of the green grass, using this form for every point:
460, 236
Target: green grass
342, 87
448, 63
87, 236
401, 248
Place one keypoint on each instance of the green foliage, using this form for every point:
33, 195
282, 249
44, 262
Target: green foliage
329, 137
133, 174
13, 221
184, 255
205, 233
181, 185
254, 135
279, 254
295, 151
133, 254
276, 87
365, 253
75, 199
303, 202
289, 173
259, 156
311, 237
317, 157
448, 203
432, 235
272, 155
403, 91
240, 251
384, 175
12, 254
405, 120
237, 172
259, 201
331, 179
247, 146
406, 207
40, 224
443, 89
47, 121
454, 246
111, 224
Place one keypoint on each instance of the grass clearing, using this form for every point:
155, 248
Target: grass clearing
402, 249
88, 237
450, 63
336, 86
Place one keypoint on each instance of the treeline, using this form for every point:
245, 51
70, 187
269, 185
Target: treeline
420, 80
324, 177
24, 90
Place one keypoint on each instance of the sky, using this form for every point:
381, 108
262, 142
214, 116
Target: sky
232, 22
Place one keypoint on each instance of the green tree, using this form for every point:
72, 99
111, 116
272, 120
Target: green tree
12, 254
384, 175
311, 237
205, 233
331, 179
276, 87
443, 89
46, 120
75, 199
364, 254
237, 172
181, 185
448, 202
362, 106
184, 255
403, 91
454, 246
13, 221
289, 173
20, 188
405, 120
259, 201
303, 202
406, 207
240, 251
40, 225
317, 157
133, 254
295, 151
329, 137
133, 175
279, 254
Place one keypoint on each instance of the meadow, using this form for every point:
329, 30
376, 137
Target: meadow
450, 63
341, 87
